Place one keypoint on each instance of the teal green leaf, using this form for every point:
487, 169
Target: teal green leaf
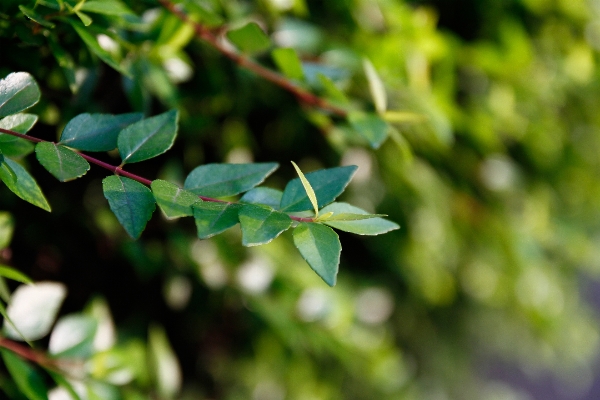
20, 123
327, 184
18, 92
369, 126
106, 7
33, 309
11, 273
172, 200
213, 218
218, 180
27, 379
35, 17
18, 180
130, 201
96, 132
148, 138
308, 189
263, 195
260, 225
61, 161
7, 227
371, 226
321, 248
250, 38
73, 336
92, 44
376, 87
288, 62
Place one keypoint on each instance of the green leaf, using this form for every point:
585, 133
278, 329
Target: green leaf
250, 38
18, 92
321, 248
106, 7
64, 384
33, 309
73, 336
11, 273
60, 161
20, 123
4, 314
85, 19
369, 126
263, 195
130, 201
148, 138
206, 16
376, 87
288, 62
92, 44
213, 218
260, 225
18, 180
35, 17
172, 200
7, 226
65, 61
326, 183
167, 372
308, 189
27, 379
96, 132
218, 180
16, 148
370, 226
331, 90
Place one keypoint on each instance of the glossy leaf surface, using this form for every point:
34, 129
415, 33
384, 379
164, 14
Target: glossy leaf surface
27, 379
130, 201
321, 248
21, 183
96, 132
213, 218
61, 161
172, 200
371, 226
218, 180
260, 225
20, 123
369, 126
18, 92
263, 195
148, 138
249, 38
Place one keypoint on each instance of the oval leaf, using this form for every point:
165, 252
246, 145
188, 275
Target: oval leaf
260, 225
60, 161
250, 38
20, 123
172, 200
148, 138
218, 180
27, 379
18, 92
263, 195
369, 126
130, 201
327, 184
213, 218
321, 248
96, 132
371, 226
18, 180
33, 309
73, 336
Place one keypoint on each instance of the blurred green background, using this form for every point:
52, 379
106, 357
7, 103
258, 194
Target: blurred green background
486, 292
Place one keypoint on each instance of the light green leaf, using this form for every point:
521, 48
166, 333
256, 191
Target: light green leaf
130, 201
35, 17
288, 62
371, 226
167, 372
18, 92
331, 90
27, 379
95, 48
18, 180
263, 195
106, 7
308, 189
96, 132
370, 126
73, 336
218, 180
206, 16
213, 218
376, 87
85, 19
148, 138
11, 273
352, 217
260, 225
33, 309
60, 161
172, 200
250, 38
7, 226
20, 123
321, 248
326, 183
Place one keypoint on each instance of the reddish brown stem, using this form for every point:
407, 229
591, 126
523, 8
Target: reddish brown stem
26, 352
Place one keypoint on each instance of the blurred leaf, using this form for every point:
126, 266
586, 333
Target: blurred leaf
263, 195
369, 126
331, 90
219, 180
33, 309
11, 273
63, 385
35, 17
321, 248
260, 225
65, 61
308, 189
206, 16
20, 123
288, 62
376, 87
18, 180
371, 226
148, 138
73, 337
16, 148
7, 226
85, 19
60, 161
213, 218
28, 380
327, 184
172, 200
106, 7
250, 38
130, 201
18, 92
96, 132
165, 365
